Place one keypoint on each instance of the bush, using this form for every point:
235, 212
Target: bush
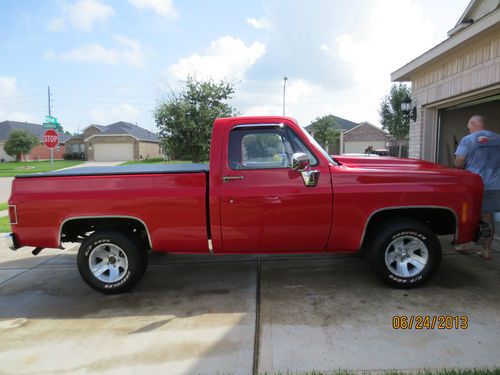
74, 156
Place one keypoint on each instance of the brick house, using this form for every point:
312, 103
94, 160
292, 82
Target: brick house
362, 136
120, 141
454, 80
40, 152
354, 137
343, 125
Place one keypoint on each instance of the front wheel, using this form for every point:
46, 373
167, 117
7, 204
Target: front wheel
110, 262
404, 253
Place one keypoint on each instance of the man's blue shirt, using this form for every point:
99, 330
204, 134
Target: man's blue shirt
481, 151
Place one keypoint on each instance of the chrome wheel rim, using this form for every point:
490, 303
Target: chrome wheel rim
108, 263
406, 256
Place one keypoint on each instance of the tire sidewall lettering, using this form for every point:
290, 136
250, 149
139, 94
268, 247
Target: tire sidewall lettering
89, 248
418, 235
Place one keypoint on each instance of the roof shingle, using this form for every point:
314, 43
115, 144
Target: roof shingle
6, 127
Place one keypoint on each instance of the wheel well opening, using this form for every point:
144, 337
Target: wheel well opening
441, 221
76, 230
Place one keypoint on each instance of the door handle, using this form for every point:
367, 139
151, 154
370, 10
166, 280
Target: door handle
229, 178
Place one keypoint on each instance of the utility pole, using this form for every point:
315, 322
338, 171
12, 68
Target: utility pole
48, 98
284, 92
51, 149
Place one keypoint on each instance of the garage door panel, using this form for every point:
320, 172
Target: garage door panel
113, 151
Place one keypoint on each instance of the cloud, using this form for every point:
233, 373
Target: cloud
128, 50
81, 15
225, 58
306, 100
9, 91
8, 86
164, 8
124, 111
260, 23
56, 24
19, 116
388, 39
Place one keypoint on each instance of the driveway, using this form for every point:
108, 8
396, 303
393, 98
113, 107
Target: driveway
6, 182
95, 164
203, 315
5, 186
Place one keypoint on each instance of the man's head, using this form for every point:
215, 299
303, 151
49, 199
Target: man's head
476, 123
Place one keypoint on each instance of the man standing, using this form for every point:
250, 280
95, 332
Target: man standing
479, 152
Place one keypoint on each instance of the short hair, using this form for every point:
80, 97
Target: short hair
478, 118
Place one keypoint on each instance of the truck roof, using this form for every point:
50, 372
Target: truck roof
124, 169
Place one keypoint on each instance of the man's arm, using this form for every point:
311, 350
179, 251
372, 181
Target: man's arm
459, 161
461, 153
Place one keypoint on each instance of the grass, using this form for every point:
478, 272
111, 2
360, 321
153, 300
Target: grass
495, 371
5, 225
12, 168
3, 206
157, 161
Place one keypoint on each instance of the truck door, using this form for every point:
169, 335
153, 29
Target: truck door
265, 205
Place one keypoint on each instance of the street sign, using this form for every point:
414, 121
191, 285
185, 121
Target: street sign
51, 123
50, 138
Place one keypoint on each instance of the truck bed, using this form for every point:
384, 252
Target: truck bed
124, 170
170, 200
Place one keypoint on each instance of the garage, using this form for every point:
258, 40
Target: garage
454, 80
113, 151
452, 126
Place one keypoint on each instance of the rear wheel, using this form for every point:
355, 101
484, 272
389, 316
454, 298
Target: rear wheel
404, 253
111, 262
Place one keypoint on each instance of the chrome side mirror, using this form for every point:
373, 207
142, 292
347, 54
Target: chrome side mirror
300, 162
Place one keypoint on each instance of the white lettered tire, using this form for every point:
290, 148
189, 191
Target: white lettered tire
111, 262
404, 253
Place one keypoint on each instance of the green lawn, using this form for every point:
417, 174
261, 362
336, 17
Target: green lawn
157, 161
3, 206
4, 225
494, 371
12, 168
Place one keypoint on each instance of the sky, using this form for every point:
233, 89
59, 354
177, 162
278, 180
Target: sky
114, 60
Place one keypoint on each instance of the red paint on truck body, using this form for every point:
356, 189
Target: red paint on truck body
270, 210
171, 205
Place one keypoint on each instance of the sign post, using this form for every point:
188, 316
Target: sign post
51, 139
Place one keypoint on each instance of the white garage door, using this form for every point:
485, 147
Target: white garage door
113, 151
360, 147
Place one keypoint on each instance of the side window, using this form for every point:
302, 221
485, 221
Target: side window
298, 146
261, 148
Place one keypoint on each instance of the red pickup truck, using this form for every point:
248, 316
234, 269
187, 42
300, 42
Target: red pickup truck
269, 188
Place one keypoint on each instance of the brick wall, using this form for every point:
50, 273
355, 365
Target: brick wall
92, 130
149, 150
42, 152
365, 132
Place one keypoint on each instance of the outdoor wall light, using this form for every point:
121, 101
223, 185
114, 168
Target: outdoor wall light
408, 111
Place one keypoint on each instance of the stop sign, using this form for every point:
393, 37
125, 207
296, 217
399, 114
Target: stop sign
50, 138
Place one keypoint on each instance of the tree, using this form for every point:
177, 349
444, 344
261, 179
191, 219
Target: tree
326, 130
392, 118
185, 119
20, 142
